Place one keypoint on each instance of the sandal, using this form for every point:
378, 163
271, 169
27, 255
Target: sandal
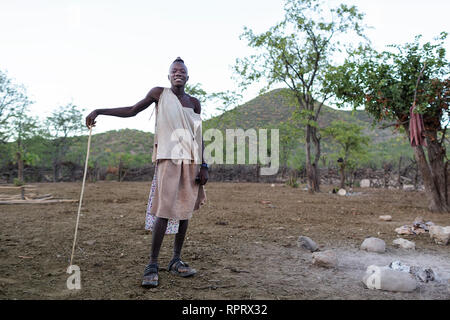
180, 268
150, 276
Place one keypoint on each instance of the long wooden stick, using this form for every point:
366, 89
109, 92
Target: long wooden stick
81, 195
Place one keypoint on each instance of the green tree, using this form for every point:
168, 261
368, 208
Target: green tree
23, 129
223, 101
389, 83
64, 122
297, 52
12, 96
196, 91
349, 144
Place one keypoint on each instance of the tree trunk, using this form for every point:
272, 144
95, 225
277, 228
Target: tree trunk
119, 171
342, 173
56, 171
399, 179
416, 175
436, 157
312, 175
19, 166
434, 185
330, 173
353, 175
308, 166
312, 168
316, 141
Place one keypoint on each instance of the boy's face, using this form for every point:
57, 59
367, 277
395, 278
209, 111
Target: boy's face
178, 74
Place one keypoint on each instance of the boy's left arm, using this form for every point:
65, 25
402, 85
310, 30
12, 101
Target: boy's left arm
203, 174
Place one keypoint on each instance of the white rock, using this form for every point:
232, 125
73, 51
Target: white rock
408, 187
327, 259
405, 244
386, 218
384, 278
399, 266
374, 245
404, 230
342, 192
365, 183
440, 235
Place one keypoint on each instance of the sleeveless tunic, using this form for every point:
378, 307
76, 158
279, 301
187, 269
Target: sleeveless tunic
177, 152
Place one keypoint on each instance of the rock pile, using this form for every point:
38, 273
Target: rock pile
418, 226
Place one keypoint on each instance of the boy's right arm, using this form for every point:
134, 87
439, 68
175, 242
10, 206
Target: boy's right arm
125, 112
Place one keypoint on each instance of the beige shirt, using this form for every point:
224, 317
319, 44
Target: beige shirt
178, 130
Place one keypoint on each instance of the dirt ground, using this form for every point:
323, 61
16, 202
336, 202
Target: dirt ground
242, 248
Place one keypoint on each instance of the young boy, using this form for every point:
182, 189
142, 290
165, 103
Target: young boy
181, 171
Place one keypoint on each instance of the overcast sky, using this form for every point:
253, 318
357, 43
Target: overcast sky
110, 53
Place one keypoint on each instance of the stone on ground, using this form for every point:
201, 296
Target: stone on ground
342, 192
307, 243
327, 259
384, 278
386, 218
404, 230
405, 244
440, 235
373, 245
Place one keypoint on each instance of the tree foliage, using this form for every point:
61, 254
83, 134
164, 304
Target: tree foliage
350, 145
389, 83
385, 83
12, 97
65, 121
297, 52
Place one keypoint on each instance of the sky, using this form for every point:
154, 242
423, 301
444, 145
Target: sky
109, 54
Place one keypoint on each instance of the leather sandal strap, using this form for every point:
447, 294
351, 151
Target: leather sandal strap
151, 268
177, 264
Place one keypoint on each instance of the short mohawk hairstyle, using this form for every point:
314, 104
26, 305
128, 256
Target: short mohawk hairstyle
178, 59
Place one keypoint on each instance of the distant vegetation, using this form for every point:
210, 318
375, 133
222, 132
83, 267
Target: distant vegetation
269, 110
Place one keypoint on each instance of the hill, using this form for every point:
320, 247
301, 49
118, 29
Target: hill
107, 148
271, 108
